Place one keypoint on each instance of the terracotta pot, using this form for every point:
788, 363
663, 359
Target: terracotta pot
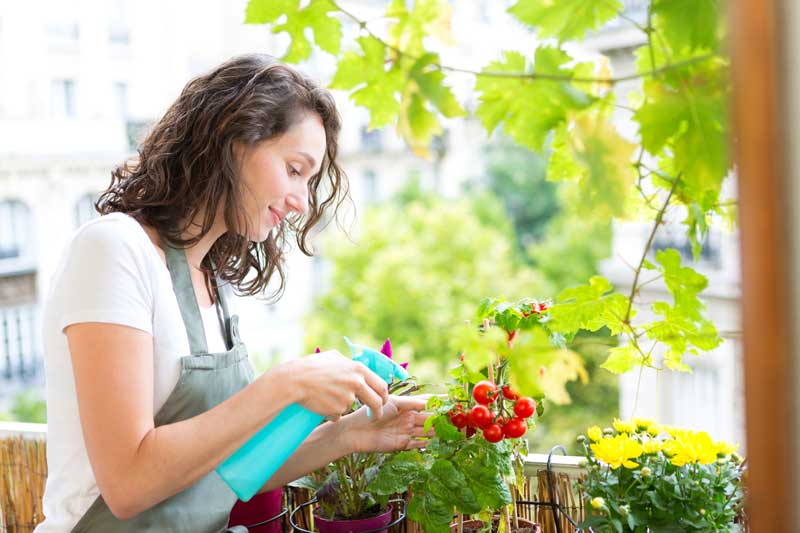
353, 526
525, 526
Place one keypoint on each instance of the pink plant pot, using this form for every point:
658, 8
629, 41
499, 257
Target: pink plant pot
261, 507
354, 526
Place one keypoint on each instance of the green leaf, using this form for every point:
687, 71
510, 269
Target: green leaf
431, 86
431, 512
483, 465
315, 16
400, 471
428, 17
684, 115
445, 430
701, 29
683, 282
450, 485
528, 108
422, 123
622, 359
589, 307
306, 482
266, 11
536, 368
565, 19
598, 158
375, 88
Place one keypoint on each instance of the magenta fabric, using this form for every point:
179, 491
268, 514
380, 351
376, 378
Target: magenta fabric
353, 526
260, 507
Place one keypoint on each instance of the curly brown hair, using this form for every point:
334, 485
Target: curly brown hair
187, 166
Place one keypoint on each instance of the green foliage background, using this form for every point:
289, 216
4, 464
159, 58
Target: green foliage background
547, 101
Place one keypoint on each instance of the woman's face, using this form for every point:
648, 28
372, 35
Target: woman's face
275, 175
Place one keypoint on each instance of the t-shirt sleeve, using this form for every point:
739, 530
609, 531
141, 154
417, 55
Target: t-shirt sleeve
105, 277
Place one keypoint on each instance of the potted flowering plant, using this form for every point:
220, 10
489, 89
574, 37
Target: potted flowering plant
646, 477
343, 501
476, 457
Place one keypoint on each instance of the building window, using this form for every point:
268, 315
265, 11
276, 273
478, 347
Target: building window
118, 29
319, 273
63, 98
136, 131
370, 187
20, 356
84, 209
371, 140
63, 30
121, 99
635, 10
668, 237
15, 230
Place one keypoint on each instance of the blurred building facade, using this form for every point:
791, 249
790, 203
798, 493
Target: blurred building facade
711, 398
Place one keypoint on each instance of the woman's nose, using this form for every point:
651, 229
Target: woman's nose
298, 200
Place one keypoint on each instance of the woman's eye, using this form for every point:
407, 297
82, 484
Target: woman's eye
293, 171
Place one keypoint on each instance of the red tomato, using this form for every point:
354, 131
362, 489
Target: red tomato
509, 393
515, 428
480, 416
493, 433
470, 431
459, 419
484, 392
525, 407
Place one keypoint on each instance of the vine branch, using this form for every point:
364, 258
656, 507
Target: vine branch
656, 224
363, 24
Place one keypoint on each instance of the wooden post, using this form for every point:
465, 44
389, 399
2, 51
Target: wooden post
767, 310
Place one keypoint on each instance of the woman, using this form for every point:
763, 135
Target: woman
149, 386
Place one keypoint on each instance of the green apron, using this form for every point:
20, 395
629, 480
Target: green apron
206, 380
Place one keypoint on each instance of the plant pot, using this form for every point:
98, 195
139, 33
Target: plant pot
257, 510
472, 526
374, 523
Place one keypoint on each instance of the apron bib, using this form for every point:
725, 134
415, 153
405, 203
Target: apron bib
206, 380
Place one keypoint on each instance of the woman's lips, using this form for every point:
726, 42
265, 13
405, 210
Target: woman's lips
276, 218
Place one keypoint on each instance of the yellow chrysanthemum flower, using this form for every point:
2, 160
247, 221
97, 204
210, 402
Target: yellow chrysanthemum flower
725, 448
652, 446
617, 451
594, 433
598, 503
654, 430
672, 430
623, 426
688, 446
642, 424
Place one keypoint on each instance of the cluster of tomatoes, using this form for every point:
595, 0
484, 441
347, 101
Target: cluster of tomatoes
492, 413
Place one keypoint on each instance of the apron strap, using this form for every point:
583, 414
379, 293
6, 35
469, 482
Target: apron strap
222, 302
187, 300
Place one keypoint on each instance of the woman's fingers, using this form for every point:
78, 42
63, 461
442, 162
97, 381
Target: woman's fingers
419, 431
411, 403
375, 382
369, 397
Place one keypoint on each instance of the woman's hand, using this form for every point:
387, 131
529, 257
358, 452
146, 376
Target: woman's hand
328, 383
400, 427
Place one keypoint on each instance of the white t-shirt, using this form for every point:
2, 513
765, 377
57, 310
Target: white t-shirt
109, 272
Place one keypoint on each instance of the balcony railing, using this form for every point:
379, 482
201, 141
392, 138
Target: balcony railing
22, 450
